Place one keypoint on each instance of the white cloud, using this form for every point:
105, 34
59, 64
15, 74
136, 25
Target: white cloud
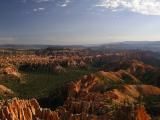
40, 1
37, 1
146, 7
38, 9
61, 3
64, 3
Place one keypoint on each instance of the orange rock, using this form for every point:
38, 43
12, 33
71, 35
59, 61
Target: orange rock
25, 110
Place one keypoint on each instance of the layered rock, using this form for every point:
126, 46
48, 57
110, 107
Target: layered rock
98, 96
9, 69
25, 110
83, 103
4, 91
86, 103
131, 113
59, 69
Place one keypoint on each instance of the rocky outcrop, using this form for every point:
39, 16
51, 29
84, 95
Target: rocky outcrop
86, 103
140, 114
132, 92
10, 70
131, 113
4, 91
139, 68
25, 110
120, 76
98, 96
83, 103
58, 69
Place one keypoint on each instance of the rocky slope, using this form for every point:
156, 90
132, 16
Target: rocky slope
25, 110
104, 95
85, 101
10, 70
147, 74
4, 91
30, 110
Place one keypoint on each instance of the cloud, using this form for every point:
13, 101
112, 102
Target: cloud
37, 1
38, 9
41, 1
61, 3
146, 7
64, 3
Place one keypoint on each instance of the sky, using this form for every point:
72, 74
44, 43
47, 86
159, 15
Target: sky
67, 22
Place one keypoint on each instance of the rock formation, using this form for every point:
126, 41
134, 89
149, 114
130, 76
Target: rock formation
4, 91
30, 110
25, 110
85, 101
104, 95
9, 69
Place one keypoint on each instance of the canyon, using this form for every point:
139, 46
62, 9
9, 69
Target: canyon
108, 85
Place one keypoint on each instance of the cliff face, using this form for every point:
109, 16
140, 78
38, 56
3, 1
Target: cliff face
30, 110
84, 102
25, 110
131, 113
4, 91
10, 70
141, 114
